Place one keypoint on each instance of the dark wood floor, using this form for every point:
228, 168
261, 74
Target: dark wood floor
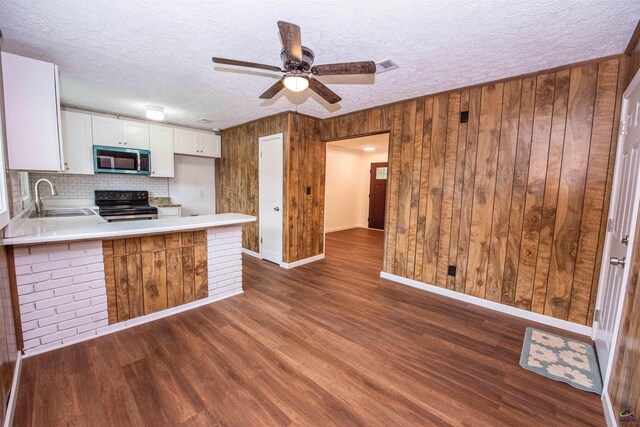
329, 343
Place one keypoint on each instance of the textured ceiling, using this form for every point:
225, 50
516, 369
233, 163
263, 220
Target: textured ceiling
118, 55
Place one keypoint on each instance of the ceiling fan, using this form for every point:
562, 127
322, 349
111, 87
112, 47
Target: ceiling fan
298, 67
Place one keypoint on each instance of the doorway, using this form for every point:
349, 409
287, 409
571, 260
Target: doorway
619, 243
270, 183
356, 186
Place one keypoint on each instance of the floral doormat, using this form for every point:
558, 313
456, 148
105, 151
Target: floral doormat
561, 359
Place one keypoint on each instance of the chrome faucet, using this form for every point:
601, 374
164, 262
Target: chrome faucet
54, 192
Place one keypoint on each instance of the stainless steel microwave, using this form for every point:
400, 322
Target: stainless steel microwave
121, 160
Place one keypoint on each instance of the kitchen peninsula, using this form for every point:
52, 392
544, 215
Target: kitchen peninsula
80, 277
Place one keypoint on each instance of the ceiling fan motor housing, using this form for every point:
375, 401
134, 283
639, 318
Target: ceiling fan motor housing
305, 65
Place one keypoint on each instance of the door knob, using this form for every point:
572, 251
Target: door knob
277, 209
617, 261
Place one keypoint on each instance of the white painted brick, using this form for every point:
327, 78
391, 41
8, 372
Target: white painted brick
97, 284
23, 269
35, 296
33, 278
96, 251
66, 255
100, 316
68, 272
50, 265
48, 248
20, 251
99, 300
79, 337
53, 284
28, 326
85, 260
58, 336
93, 326
90, 310
56, 318
88, 294
88, 277
92, 268
74, 323
35, 333
87, 244
31, 343
39, 314
52, 302
30, 259
66, 290
73, 306
27, 308
25, 289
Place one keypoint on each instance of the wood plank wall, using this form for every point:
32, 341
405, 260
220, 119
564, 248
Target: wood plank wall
304, 157
515, 199
152, 273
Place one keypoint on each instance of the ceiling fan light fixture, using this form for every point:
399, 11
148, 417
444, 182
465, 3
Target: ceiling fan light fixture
155, 113
295, 83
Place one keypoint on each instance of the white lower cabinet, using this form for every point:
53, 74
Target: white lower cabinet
161, 147
171, 212
77, 143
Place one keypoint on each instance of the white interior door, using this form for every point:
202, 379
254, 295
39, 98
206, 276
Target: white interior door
623, 213
270, 183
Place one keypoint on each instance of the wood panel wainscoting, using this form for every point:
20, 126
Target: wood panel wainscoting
303, 187
515, 198
152, 273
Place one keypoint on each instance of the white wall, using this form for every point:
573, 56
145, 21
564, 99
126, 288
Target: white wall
194, 185
347, 186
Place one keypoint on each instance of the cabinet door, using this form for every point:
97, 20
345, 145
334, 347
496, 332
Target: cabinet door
135, 135
77, 142
161, 146
209, 145
107, 131
31, 113
185, 142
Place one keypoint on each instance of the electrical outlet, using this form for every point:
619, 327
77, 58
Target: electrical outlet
451, 271
464, 117
308, 191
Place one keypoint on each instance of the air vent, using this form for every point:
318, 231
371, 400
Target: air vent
385, 65
205, 121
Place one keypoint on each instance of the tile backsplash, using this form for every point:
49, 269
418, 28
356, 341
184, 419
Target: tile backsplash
83, 186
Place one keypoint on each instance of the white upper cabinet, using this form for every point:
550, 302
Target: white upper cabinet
194, 143
32, 112
107, 131
77, 142
161, 146
120, 133
135, 135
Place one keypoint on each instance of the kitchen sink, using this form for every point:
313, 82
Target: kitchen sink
62, 213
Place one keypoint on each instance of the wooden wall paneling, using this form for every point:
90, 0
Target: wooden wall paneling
201, 273
175, 276
519, 188
134, 284
448, 184
434, 190
554, 163
622, 85
504, 186
593, 206
632, 53
415, 188
110, 281
423, 187
122, 287
188, 275
466, 204
154, 274
458, 188
407, 154
392, 189
571, 190
484, 188
534, 198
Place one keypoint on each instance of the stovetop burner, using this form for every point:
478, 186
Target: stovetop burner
125, 205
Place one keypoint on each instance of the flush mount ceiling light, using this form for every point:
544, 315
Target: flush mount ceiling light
369, 148
296, 83
155, 113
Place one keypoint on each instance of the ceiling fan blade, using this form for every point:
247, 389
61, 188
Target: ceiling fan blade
365, 67
246, 64
273, 90
326, 93
292, 41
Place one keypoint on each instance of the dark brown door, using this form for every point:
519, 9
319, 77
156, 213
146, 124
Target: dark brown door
377, 194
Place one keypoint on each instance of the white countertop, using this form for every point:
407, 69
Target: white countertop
25, 231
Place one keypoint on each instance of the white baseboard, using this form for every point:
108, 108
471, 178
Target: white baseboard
609, 413
518, 312
135, 322
301, 262
13, 394
252, 253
